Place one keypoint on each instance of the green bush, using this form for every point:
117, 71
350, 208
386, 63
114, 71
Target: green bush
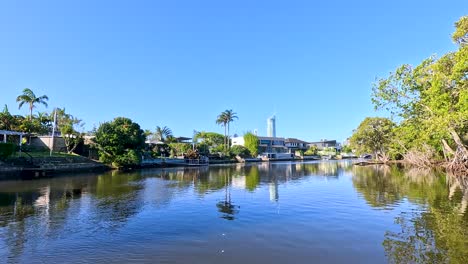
312, 151
251, 143
241, 151
6, 150
128, 159
30, 148
120, 142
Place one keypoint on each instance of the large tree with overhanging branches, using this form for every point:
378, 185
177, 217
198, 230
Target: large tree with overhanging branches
431, 100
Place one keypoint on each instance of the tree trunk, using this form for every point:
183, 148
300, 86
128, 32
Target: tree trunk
225, 145
459, 163
228, 143
447, 150
30, 111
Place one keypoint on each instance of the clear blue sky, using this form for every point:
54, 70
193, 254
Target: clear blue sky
180, 63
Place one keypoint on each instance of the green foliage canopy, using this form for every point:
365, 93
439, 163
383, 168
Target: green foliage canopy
312, 151
430, 99
251, 142
240, 151
120, 142
373, 135
210, 138
179, 149
68, 126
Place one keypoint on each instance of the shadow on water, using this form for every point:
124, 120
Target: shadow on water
436, 234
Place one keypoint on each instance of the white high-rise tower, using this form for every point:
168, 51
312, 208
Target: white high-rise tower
271, 126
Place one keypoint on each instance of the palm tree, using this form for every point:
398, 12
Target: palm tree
163, 133
30, 98
229, 116
222, 120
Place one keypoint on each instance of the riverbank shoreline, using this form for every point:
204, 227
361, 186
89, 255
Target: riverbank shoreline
44, 167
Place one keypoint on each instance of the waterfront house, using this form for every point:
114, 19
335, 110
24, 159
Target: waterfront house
324, 144
294, 144
266, 144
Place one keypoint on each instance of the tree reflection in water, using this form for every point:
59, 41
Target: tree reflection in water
438, 234
431, 228
226, 207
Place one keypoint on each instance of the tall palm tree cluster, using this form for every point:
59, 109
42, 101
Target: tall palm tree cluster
224, 119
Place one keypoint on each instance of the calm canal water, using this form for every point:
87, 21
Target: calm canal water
323, 212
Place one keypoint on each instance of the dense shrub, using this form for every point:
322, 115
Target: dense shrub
6, 150
120, 142
240, 151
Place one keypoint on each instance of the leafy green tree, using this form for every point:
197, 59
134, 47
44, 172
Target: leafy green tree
373, 135
7, 121
28, 97
179, 149
460, 35
69, 126
251, 142
431, 99
312, 151
120, 142
209, 141
240, 151
32, 126
346, 149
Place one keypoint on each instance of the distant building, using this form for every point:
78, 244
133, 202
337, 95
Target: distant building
266, 144
324, 144
271, 126
293, 144
272, 145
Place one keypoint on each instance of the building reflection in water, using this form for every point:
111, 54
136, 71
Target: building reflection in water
274, 195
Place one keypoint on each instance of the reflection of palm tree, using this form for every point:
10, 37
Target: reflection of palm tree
226, 207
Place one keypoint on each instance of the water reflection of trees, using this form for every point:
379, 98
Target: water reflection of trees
249, 176
438, 233
117, 198
32, 210
45, 201
111, 199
